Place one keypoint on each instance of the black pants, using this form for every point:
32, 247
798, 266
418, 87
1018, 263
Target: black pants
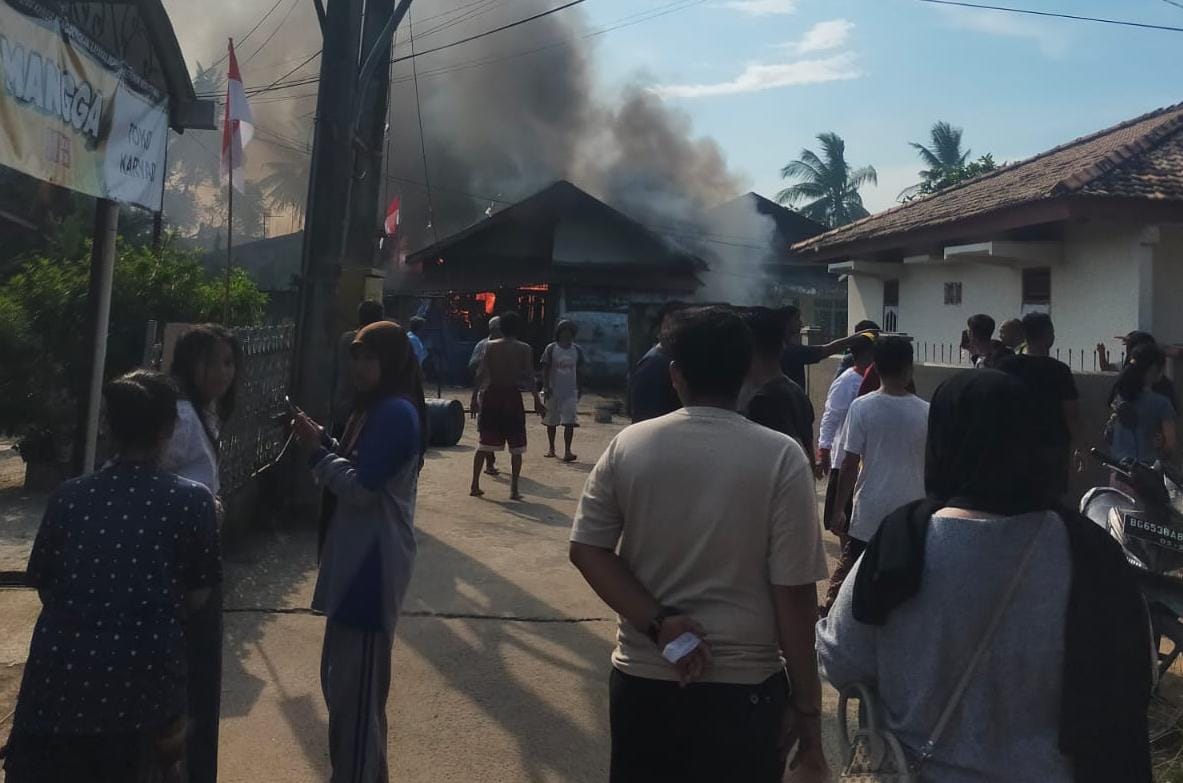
203, 644
704, 733
832, 497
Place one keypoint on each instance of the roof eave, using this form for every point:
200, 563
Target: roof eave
1005, 219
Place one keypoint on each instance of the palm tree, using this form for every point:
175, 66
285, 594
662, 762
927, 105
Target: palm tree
828, 183
286, 184
945, 155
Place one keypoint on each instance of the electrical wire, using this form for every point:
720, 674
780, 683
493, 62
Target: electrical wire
242, 40
622, 22
1056, 15
422, 139
278, 27
1175, 3
500, 29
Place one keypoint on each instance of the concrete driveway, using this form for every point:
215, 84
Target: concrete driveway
501, 659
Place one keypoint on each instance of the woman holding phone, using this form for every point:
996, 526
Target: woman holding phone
369, 547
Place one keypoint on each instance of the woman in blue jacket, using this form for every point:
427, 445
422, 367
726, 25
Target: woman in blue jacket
369, 548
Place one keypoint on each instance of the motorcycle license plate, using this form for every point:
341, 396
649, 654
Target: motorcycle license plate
1153, 532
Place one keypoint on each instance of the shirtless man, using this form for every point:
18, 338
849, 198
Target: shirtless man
505, 371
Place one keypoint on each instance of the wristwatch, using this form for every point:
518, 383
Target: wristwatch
653, 630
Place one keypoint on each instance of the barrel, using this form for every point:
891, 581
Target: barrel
445, 422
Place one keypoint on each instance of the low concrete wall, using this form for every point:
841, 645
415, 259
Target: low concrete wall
1094, 394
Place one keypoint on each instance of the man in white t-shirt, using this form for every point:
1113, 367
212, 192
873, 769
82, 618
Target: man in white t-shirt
886, 431
842, 393
702, 523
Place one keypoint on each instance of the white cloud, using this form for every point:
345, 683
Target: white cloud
1052, 41
822, 37
762, 7
758, 77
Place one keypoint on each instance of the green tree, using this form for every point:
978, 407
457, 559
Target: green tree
44, 336
827, 183
950, 177
286, 183
946, 162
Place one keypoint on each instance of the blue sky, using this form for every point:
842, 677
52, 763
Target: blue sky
764, 77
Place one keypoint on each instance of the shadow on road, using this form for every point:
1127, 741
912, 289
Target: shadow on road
550, 744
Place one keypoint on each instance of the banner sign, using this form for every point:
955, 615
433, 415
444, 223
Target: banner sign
75, 116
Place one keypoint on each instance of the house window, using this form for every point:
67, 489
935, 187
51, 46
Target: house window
891, 306
952, 293
1037, 291
829, 315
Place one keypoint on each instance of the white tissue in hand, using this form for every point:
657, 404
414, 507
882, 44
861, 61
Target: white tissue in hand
681, 647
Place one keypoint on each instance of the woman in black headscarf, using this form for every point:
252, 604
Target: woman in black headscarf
1061, 692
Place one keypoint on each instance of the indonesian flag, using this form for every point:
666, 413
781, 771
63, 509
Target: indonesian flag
238, 127
392, 217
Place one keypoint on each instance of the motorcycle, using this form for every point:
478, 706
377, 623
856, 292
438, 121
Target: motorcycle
1145, 516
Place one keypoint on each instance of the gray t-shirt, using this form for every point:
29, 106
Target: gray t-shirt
1007, 724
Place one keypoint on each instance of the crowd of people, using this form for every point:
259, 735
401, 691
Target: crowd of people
698, 526
984, 666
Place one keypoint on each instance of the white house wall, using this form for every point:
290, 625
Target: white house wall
1168, 285
987, 289
1109, 282
864, 298
1101, 289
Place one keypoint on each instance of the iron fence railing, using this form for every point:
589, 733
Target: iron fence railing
256, 433
950, 354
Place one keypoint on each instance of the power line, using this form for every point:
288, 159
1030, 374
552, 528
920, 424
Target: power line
242, 40
276, 85
422, 139
1057, 15
622, 22
500, 29
278, 27
1174, 3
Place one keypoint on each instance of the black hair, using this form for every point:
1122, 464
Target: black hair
415, 323
193, 350
564, 324
862, 348
665, 311
713, 350
981, 326
141, 408
511, 323
1037, 326
370, 311
893, 356
1131, 381
1137, 338
866, 326
768, 330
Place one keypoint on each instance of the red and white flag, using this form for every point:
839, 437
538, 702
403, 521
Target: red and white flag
392, 217
238, 127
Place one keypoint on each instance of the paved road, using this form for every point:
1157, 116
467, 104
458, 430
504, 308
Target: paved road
501, 659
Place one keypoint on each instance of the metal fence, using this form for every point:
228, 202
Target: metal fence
950, 354
256, 433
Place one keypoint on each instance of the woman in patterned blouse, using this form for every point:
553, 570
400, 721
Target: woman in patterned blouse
121, 559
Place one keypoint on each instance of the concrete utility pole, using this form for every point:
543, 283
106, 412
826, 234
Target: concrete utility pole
343, 190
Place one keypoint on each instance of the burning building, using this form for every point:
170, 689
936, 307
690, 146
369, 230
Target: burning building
560, 253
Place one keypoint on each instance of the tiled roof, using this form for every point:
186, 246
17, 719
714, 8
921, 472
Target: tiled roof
1140, 158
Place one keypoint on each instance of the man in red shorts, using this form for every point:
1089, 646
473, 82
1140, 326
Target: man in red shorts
505, 371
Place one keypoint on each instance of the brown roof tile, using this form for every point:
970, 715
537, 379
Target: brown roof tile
1140, 158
